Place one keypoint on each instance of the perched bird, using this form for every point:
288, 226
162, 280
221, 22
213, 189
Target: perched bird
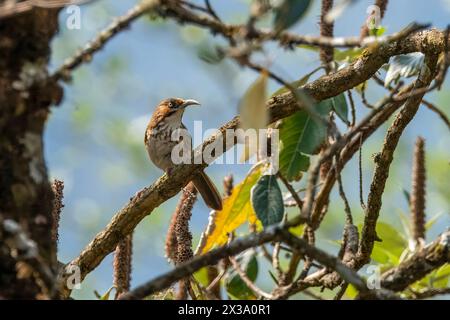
158, 140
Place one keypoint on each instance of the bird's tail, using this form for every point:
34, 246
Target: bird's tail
208, 191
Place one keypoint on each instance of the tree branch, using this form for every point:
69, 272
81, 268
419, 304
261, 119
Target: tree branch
212, 257
181, 14
143, 203
174, 9
274, 233
429, 293
384, 159
421, 263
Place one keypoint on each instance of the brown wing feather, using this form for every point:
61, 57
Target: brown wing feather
208, 191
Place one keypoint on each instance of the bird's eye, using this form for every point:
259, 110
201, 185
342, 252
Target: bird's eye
171, 105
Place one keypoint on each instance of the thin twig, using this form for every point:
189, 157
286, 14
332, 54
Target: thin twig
96, 44
383, 161
439, 112
341, 291
291, 189
259, 293
212, 11
352, 108
360, 171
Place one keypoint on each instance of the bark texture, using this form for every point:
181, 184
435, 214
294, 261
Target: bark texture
25, 97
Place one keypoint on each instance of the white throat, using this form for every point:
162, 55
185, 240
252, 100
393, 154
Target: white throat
174, 120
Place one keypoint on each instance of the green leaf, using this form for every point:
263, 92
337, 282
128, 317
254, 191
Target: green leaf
298, 230
391, 247
406, 224
377, 32
340, 107
234, 285
267, 200
309, 47
351, 292
407, 196
104, 296
289, 12
441, 276
347, 55
437, 279
301, 135
383, 256
210, 54
202, 276
339, 55
432, 221
404, 65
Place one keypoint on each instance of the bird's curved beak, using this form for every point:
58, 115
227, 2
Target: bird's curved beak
190, 102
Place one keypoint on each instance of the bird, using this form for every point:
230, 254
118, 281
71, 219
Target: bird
167, 118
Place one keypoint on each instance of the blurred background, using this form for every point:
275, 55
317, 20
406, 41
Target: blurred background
94, 140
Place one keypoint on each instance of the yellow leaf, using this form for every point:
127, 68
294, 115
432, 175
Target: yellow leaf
253, 113
237, 209
351, 292
249, 150
252, 108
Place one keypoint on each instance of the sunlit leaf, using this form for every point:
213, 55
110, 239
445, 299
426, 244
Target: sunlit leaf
289, 12
348, 54
301, 135
432, 221
309, 47
252, 109
267, 200
202, 276
436, 279
253, 113
384, 256
106, 295
237, 209
235, 286
441, 276
404, 65
298, 230
351, 292
378, 32
406, 224
391, 247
